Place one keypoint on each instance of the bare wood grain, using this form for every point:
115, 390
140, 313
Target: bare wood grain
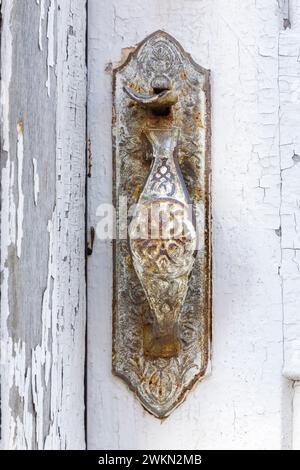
42, 223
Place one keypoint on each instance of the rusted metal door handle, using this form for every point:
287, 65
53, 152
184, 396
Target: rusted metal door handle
161, 333
163, 255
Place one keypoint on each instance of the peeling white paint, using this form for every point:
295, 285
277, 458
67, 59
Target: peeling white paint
6, 69
36, 181
20, 431
8, 208
47, 304
20, 209
43, 355
245, 403
51, 43
289, 85
68, 303
43, 382
41, 3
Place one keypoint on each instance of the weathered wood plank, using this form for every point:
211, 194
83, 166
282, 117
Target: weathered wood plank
42, 223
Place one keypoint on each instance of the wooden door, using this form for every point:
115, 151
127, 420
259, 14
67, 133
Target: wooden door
246, 401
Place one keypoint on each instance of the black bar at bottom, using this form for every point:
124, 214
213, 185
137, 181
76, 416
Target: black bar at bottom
133, 458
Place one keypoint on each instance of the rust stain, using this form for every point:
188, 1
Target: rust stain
125, 52
20, 127
183, 75
136, 192
197, 119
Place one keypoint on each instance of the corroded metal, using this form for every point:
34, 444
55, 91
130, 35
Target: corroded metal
162, 281
163, 254
159, 101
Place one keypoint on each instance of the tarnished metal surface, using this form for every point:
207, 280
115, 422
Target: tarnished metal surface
162, 285
162, 240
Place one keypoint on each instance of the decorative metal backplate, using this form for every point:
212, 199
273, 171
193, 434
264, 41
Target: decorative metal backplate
162, 284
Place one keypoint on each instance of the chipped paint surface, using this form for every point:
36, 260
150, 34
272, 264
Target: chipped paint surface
289, 82
36, 181
20, 209
6, 51
246, 402
50, 38
289, 87
42, 232
8, 205
41, 3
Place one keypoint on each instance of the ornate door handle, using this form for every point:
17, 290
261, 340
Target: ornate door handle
161, 334
163, 255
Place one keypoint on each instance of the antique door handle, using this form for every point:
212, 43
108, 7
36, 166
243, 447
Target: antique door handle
163, 261
161, 306
163, 254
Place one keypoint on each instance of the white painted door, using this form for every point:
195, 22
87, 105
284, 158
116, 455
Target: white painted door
251, 51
